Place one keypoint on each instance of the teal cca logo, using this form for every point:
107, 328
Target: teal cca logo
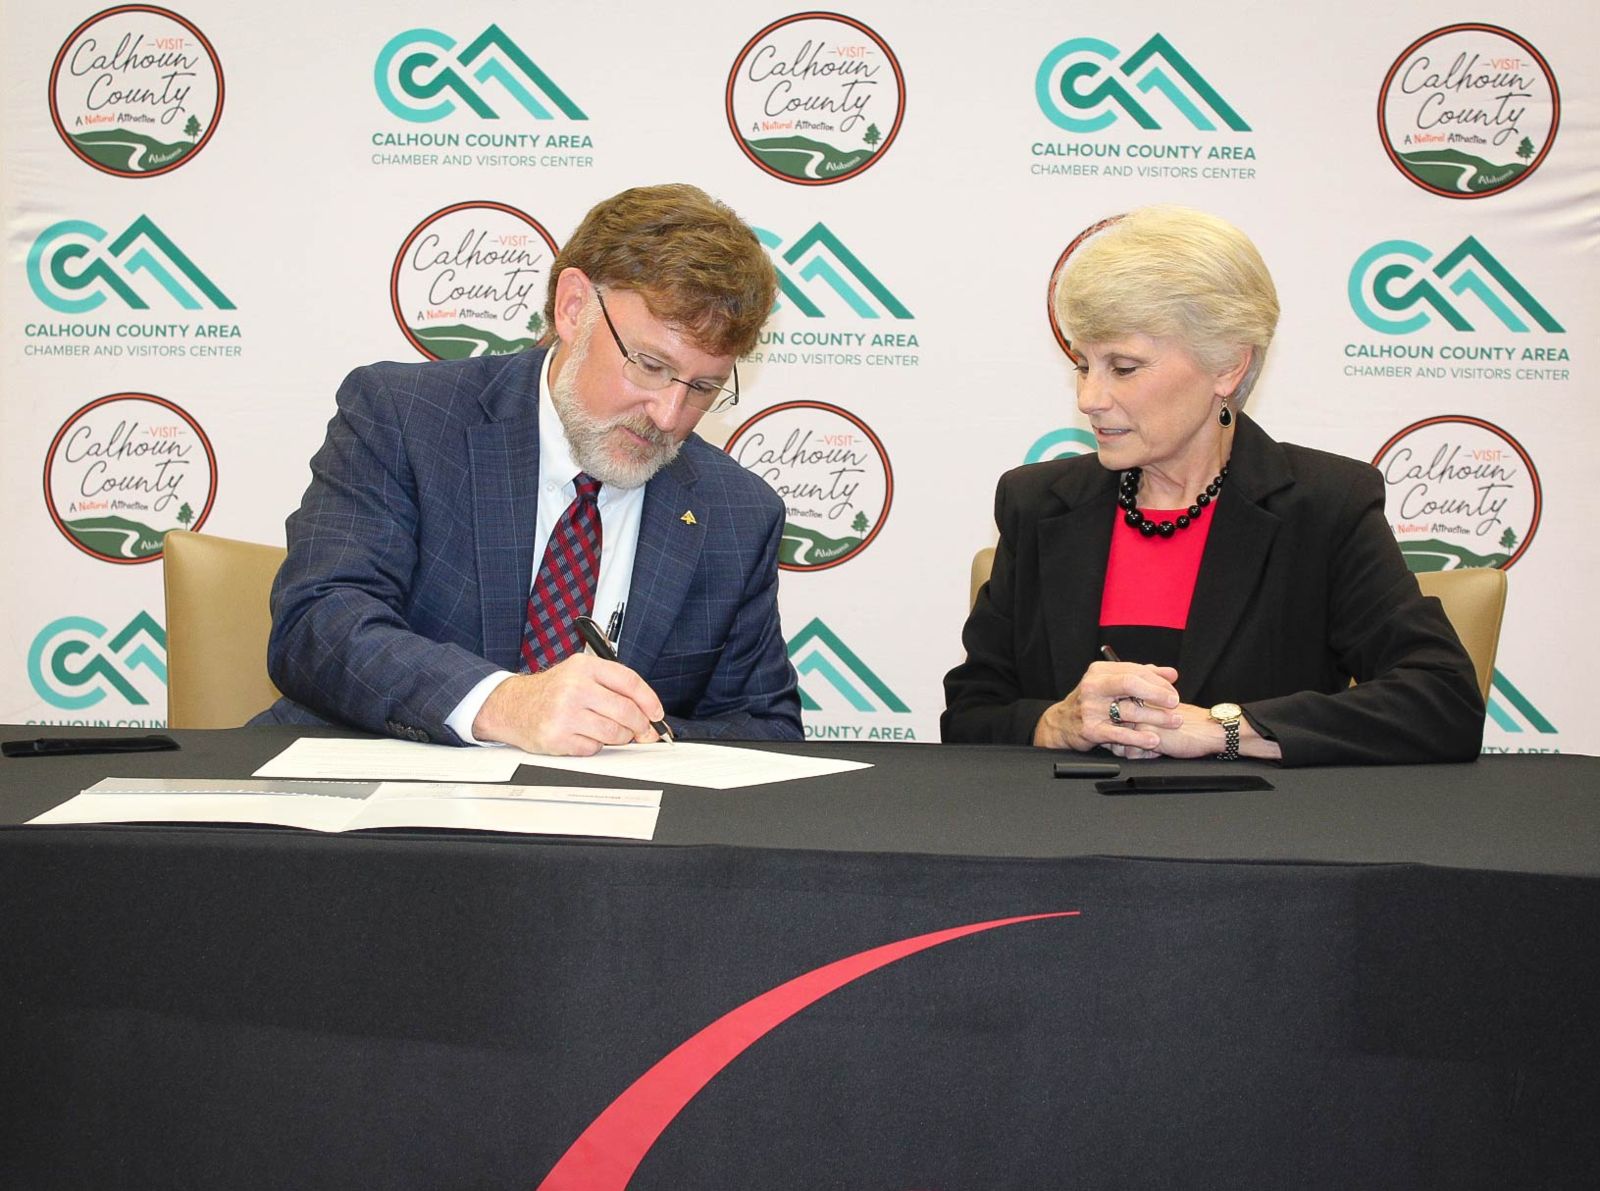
75, 265
832, 674
422, 76
1398, 287
819, 275
75, 662
1086, 84
1061, 444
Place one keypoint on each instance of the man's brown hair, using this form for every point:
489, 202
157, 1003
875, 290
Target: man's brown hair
695, 263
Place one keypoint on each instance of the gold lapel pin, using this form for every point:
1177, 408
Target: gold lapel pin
688, 517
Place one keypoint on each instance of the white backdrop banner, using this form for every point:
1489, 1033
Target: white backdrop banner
213, 212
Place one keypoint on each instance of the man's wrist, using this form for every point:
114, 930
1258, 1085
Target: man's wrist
467, 720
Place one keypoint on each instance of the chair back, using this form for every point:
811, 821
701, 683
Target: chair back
1474, 599
982, 564
218, 621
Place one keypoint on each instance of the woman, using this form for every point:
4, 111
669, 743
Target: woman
1241, 582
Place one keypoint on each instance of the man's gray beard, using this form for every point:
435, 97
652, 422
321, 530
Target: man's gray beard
588, 435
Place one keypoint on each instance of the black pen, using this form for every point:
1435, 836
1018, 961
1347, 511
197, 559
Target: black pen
1110, 655
601, 644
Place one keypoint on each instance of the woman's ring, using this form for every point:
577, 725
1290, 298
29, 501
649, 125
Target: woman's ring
1116, 711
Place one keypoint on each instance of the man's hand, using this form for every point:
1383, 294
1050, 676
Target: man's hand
572, 709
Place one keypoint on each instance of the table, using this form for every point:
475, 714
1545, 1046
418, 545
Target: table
1363, 978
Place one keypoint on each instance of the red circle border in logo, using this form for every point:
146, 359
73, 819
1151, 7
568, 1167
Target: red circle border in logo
1481, 424
50, 456
894, 63
877, 445
1470, 27
216, 117
394, 272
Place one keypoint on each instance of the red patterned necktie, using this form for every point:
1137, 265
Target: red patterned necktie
564, 587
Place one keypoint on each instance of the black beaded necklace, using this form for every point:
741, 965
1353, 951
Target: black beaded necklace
1128, 498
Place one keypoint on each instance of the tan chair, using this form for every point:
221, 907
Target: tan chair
1474, 600
982, 564
217, 627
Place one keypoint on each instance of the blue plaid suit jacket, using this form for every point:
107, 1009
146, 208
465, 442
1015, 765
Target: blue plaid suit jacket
411, 554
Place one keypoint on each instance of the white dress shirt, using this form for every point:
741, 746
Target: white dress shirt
620, 513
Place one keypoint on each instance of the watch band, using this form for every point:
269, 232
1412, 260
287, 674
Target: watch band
1230, 750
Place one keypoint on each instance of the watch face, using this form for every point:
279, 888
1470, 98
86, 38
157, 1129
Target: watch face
1226, 711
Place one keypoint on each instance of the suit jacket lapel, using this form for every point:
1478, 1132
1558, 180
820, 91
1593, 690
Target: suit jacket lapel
1236, 554
504, 455
1072, 567
664, 565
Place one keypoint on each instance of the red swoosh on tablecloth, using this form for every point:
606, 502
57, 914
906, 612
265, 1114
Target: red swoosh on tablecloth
606, 1154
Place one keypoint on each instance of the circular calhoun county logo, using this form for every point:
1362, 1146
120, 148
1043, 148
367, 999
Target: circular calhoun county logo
832, 472
123, 471
815, 98
1055, 277
1468, 111
1461, 493
470, 281
136, 91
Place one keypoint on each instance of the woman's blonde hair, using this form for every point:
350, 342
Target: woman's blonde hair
1172, 272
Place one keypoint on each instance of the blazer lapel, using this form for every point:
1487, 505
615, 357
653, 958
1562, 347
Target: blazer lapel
664, 565
1072, 568
504, 458
1236, 554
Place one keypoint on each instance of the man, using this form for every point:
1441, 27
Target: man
461, 514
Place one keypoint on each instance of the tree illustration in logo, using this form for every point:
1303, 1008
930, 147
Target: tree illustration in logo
860, 523
872, 136
1525, 150
192, 128
185, 515
1508, 540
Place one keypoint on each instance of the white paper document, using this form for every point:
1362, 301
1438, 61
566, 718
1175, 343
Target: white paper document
337, 759
355, 806
716, 766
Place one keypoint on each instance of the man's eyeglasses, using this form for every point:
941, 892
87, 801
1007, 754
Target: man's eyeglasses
649, 373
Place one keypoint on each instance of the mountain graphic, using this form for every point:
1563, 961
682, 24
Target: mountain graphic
494, 39
458, 342
802, 547
155, 263
803, 157
1469, 279
817, 651
1451, 169
1158, 48
1430, 554
117, 537
130, 152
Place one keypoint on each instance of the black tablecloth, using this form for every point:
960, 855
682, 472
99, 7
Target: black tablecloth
1402, 988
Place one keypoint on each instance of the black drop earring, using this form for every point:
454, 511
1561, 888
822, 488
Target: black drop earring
1225, 418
